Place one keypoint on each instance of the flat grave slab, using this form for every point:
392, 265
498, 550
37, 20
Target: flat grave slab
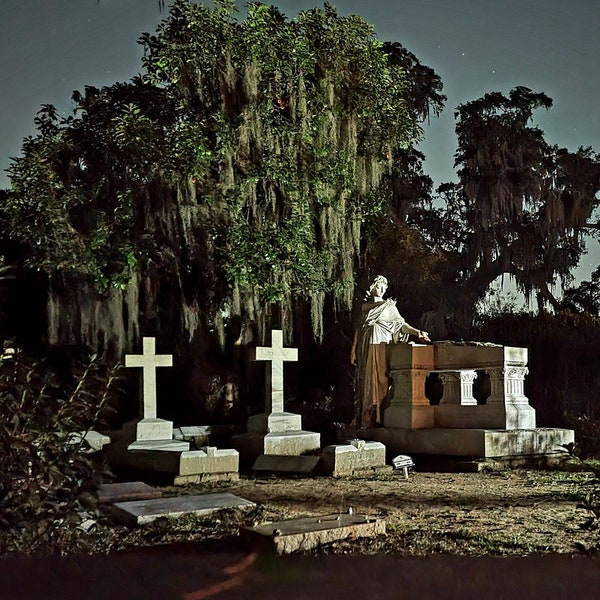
273, 463
127, 491
140, 512
295, 535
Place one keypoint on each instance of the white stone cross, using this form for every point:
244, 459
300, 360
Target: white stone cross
276, 354
149, 361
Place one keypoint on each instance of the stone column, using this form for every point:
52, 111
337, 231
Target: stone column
458, 408
458, 387
508, 397
409, 407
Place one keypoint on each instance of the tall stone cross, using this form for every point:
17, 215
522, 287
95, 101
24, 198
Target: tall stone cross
276, 354
149, 361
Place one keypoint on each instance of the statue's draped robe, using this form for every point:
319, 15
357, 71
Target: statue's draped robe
380, 324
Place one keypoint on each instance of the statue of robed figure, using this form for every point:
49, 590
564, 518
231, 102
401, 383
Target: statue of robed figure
380, 324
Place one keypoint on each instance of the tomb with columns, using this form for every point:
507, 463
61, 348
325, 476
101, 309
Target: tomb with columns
504, 426
276, 431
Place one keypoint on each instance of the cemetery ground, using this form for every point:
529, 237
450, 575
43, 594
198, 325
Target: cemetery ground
499, 512
515, 533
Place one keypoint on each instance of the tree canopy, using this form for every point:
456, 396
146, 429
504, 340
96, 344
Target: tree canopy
239, 176
260, 170
521, 205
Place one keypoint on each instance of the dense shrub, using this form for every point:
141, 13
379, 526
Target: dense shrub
42, 477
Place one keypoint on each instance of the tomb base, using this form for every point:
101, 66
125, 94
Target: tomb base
409, 416
205, 477
159, 446
357, 457
286, 443
148, 429
278, 422
172, 458
486, 416
474, 443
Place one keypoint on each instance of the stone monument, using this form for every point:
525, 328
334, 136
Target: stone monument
151, 432
505, 426
275, 431
148, 445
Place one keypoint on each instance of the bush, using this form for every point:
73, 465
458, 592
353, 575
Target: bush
42, 478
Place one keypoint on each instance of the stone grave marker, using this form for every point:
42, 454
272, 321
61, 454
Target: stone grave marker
296, 535
150, 429
275, 419
109, 493
353, 458
208, 464
275, 431
140, 512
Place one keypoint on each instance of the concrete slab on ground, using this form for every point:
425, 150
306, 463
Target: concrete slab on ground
199, 434
109, 493
90, 441
296, 535
141, 512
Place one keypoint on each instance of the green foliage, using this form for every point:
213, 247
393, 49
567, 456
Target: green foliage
41, 475
287, 131
304, 112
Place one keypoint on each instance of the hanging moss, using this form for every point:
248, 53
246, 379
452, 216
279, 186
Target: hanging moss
304, 115
232, 180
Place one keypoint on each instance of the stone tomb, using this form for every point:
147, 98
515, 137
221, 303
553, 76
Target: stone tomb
504, 426
148, 444
140, 512
275, 431
296, 535
208, 464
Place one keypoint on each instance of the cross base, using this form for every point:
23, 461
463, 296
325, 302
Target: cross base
276, 422
148, 430
286, 443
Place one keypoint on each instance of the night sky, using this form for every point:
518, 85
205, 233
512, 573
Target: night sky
48, 48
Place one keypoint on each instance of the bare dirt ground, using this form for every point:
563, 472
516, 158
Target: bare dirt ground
508, 534
512, 512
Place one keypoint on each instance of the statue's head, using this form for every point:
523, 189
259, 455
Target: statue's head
378, 287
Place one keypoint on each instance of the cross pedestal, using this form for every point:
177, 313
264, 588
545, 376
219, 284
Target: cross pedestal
150, 428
